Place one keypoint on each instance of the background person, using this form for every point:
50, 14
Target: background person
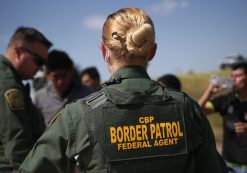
170, 81
62, 87
91, 78
20, 123
233, 108
119, 128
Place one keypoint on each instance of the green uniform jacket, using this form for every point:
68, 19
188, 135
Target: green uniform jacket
20, 123
68, 139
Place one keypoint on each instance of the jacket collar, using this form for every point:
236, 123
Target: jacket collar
130, 71
7, 63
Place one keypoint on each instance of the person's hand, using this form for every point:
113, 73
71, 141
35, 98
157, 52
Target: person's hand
213, 89
209, 92
240, 128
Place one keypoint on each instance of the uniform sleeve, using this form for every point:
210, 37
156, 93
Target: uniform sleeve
53, 152
38, 122
16, 132
207, 159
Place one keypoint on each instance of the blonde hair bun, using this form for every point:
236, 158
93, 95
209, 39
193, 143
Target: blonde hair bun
140, 40
129, 32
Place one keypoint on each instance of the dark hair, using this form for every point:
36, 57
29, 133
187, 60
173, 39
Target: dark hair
29, 35
92, 72
241, 65
170, 81
58, 59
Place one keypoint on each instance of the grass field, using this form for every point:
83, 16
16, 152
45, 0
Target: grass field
194, 85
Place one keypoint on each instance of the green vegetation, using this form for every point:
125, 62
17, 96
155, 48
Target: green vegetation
194, 85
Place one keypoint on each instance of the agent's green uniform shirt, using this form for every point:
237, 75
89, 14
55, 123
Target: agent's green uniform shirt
20, 123
119, 129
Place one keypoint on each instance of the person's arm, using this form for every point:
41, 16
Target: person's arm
203, 101
53, 152
37, 122
15, 130
206, 156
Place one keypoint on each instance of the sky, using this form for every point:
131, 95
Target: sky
192, 35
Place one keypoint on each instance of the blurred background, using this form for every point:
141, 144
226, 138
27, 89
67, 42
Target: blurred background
194, 37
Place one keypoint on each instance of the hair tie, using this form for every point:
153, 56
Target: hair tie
115, 35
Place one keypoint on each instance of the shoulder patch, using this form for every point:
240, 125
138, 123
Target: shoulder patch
15, 99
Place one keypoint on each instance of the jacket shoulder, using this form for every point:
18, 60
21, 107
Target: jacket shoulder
177, 95
7, 78
88, 103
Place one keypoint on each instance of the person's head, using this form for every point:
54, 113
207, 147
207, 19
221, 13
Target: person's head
91, 78
128, 39
27, 51
239, 77
170, 81
59, 68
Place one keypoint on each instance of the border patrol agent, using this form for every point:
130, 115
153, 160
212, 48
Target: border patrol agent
20, 123
133, 124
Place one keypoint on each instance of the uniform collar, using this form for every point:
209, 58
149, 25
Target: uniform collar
130, 71
8, 64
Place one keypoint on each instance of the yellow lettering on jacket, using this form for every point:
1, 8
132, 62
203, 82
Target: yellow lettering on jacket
146, 134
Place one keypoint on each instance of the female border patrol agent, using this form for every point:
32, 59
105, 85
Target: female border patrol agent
132, 124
